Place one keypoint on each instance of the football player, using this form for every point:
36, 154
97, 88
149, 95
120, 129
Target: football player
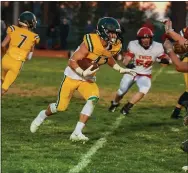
143, 52
179, 48
21, 41
183, 42
100, 47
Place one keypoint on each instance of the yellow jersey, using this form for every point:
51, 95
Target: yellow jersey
96, 50
21, 43
186, 74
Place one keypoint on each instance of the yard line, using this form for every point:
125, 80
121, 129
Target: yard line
157, 74
86, 159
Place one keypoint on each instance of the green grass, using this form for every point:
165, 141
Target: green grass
147, 141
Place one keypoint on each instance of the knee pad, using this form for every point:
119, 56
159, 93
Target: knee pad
89, 106
144, 90
53, 107
183, 97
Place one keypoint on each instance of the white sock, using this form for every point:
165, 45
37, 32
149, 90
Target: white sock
41, 117
79, 127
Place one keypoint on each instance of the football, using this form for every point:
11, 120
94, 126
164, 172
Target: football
178, 48
86, 62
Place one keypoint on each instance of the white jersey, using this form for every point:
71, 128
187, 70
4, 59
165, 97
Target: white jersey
143, 59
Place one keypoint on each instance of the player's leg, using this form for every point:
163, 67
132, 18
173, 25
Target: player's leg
90, 92
126, 82
144, 84
176, 112
66, 90
11, 69
183, 97
3, 74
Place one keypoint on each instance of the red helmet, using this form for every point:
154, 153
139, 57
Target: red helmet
144, 32
184, 32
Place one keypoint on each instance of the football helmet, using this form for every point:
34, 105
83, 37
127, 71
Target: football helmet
145, 32
27, 19
108, 25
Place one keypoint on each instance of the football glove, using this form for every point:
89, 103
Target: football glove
86, 72
130, 66
124, 70
164, 61
89, 72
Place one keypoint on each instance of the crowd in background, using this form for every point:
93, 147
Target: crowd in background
61, 25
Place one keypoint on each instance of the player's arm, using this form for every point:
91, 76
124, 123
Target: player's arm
4, 44
175, 36
163, 57
128, 57
80, 53
112, 63
30, 54
180, 66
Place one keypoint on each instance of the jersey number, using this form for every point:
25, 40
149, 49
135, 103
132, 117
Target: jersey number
23, 40
143, 62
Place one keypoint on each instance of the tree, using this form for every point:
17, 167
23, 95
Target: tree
178, 14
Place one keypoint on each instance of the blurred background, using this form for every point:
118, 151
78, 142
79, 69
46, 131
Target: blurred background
61, 25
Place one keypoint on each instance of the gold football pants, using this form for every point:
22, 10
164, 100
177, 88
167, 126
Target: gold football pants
10, 71
67, 88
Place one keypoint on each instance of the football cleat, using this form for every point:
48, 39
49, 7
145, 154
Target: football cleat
35, 124
113, 107
79, 137
126, 108
176, 117
124, 111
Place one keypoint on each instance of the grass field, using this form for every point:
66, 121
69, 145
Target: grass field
145, 142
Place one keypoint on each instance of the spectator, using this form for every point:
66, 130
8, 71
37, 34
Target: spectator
89, 27
3, 30
64, 31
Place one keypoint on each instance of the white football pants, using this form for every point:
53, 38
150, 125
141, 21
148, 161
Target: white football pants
143, 83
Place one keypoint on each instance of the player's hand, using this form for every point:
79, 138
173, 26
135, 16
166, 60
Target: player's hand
168, 46
127, 70
168, 25
89, 72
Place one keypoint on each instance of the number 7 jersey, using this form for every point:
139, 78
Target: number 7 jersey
21, 43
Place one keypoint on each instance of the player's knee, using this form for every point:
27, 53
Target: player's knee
183, 97
144, 90
90, 105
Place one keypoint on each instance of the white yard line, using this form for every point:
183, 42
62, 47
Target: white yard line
86, 158
157, 74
